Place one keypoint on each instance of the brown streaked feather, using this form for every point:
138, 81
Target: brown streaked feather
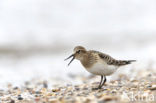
90, 59
108, 59
124, 62
111, 61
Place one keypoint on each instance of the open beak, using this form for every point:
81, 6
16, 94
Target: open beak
71, 59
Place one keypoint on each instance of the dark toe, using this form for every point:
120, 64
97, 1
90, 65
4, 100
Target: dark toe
95, 88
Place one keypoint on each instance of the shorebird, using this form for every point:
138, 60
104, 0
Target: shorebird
97, 63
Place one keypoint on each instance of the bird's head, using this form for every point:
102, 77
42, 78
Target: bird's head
78, 54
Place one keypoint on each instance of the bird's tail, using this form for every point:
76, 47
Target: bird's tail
125, 62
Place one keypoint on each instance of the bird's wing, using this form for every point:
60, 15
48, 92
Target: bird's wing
111, 61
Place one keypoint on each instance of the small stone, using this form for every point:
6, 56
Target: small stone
98, 95
12, 101
37, 99
56, 90
85, 88
43, 90
9, 85
76, 88
45, 84
38, 92
15, 88
108, 98
153, 87
19, 97
27, 83
134, 80
53, 101
150, 75
113, 91
88, 100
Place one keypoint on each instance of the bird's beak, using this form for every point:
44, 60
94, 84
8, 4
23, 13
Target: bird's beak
71, 59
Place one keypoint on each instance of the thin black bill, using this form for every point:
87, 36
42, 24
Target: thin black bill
71, 59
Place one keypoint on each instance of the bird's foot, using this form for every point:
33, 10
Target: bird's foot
97, 88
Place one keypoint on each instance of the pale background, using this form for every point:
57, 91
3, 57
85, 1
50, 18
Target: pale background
37, 35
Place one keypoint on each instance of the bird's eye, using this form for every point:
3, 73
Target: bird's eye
78, 51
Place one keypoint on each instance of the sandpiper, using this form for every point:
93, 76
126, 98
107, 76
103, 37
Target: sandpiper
97, 62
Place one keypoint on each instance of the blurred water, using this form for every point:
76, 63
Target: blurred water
30, 22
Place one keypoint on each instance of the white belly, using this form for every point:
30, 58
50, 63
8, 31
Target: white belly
102, 69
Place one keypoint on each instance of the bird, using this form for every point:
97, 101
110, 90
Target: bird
97, 63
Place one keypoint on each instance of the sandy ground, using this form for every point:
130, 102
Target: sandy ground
141, 88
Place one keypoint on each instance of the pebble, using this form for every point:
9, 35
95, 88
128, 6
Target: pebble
56, 90
45, 84
15, 88
77, 89
12, 101
38, 92
53, 101
108, 98
37, 99
20, 98
153, 87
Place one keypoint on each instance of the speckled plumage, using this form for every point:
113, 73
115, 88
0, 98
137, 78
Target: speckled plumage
97, 62
93, 57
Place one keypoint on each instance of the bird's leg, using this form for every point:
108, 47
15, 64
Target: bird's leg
100, 85
103, 81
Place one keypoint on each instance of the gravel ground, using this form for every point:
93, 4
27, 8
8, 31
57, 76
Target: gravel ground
140, 89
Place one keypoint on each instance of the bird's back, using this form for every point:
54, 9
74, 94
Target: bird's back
110, 60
